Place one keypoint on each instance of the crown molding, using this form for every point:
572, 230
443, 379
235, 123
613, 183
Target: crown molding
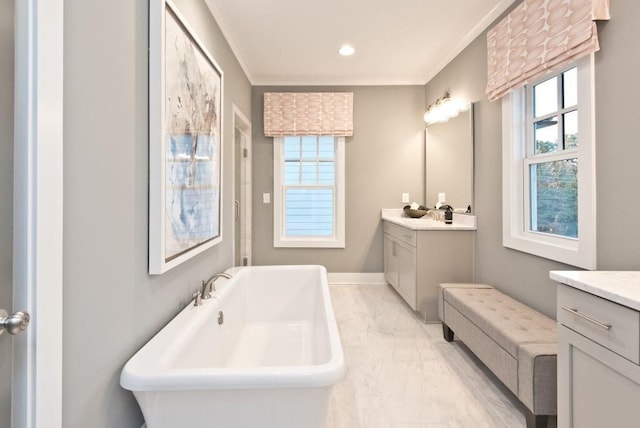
218, 16
349, 81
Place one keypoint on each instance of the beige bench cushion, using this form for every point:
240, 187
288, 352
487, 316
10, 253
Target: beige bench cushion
443, 286
525, 358
508, 322
537, 378
499, 361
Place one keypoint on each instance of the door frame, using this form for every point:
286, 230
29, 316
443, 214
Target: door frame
241, 124
38, 209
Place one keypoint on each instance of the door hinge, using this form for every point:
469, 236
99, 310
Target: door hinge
245, 153
245, 261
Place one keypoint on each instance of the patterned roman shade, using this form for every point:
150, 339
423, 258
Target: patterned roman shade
308, 113
539, 36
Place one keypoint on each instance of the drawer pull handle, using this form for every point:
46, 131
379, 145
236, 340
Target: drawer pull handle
584, 317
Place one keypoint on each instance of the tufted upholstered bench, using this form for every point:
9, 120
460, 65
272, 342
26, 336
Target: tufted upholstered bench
517, 343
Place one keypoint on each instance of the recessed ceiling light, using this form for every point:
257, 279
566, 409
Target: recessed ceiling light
346, 50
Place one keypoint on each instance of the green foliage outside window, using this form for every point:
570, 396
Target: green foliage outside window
555, 185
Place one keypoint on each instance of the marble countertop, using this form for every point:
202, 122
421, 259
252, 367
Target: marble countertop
397, 216
622, 287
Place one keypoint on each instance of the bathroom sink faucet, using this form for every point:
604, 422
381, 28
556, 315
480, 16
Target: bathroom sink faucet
209, 287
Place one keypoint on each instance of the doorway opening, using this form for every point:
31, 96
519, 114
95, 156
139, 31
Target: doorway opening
241, 188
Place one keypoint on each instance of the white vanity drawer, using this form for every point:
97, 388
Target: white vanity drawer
611, 325
403, 234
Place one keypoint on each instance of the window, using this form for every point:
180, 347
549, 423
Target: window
309, 191
549, 167
551, 158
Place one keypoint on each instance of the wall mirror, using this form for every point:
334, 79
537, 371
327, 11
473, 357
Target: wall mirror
449, 161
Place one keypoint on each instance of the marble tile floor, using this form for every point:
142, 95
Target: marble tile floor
401, 373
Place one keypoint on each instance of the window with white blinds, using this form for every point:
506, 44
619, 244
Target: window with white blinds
309, 191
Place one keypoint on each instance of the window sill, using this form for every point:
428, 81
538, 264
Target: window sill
563, 250
307, 243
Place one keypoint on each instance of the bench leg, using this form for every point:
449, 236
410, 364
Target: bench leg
447, 333
535, 421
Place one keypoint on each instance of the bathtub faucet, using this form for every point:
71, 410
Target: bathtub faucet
209, 287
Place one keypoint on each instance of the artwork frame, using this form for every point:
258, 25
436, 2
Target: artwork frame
185, 141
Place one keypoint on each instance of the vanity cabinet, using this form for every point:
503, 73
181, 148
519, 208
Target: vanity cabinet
598, 361
400, 261
416, 261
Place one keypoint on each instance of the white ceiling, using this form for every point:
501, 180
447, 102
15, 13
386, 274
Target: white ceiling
295, 42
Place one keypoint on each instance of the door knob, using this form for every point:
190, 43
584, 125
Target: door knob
13, 324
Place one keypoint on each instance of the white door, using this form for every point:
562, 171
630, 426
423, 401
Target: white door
31, 208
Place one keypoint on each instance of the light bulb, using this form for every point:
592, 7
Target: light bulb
346, 50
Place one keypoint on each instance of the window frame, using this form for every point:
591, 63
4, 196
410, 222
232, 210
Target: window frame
516, 138
530, 155
337, 240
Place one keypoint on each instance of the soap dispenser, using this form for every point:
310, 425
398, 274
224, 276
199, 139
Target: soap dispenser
448, 215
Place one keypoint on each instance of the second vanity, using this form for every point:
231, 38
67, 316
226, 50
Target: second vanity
420, 253
598, 348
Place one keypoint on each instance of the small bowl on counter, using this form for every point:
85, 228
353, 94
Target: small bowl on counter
420, 212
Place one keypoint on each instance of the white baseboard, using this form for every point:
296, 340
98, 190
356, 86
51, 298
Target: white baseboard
366, 278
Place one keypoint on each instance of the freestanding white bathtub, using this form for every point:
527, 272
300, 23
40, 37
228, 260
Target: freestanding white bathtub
271, 363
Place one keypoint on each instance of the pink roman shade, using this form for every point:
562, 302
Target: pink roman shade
539, 36
308, 113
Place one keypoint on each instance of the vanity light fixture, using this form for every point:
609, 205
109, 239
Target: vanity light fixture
444, 108
346, 50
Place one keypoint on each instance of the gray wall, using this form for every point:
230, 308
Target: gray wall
617, 134
384, 158
6, 198
521, 275
111, 305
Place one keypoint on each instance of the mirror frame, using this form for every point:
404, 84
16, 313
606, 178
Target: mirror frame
447, 168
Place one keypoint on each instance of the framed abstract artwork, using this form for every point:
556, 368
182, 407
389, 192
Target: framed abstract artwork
185, 141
